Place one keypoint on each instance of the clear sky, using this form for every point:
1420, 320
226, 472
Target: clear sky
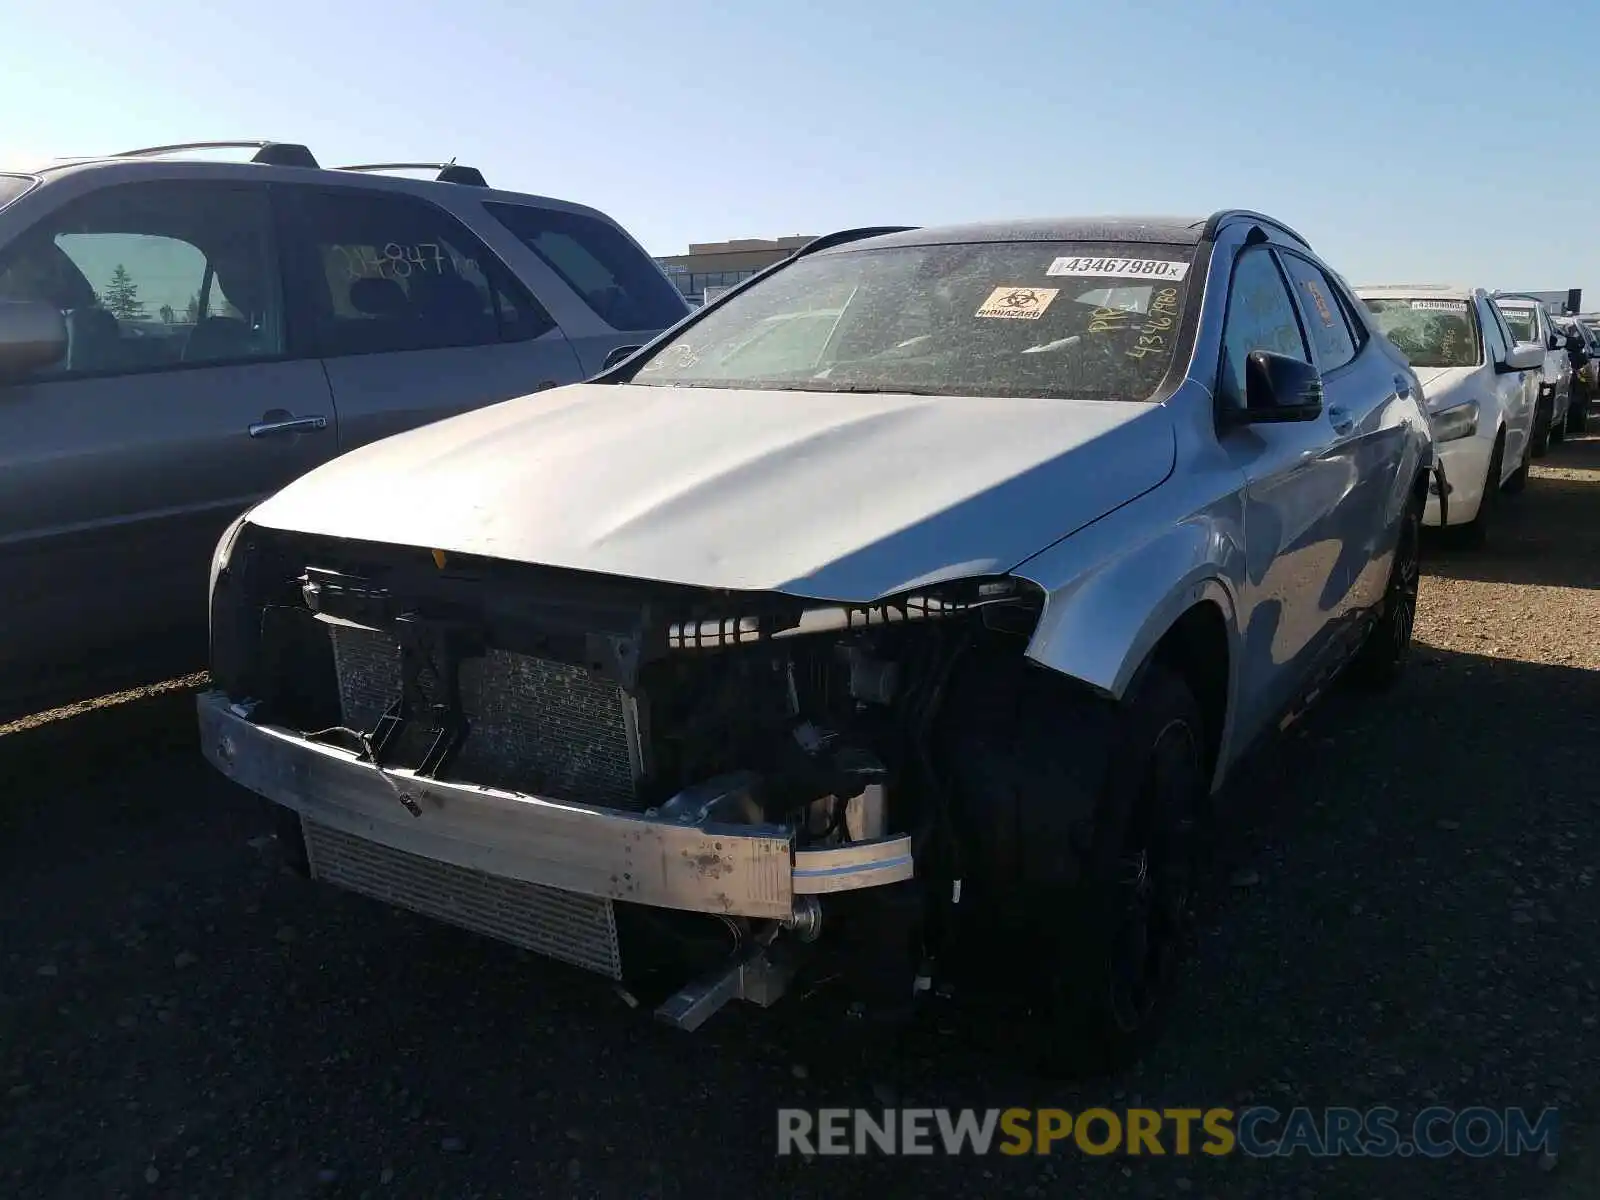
1408, 139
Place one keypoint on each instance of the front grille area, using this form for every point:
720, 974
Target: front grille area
536, 726
580, 930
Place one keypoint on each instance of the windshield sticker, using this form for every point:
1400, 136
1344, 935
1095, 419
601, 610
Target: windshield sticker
1154, 332
1018, 303
1455, 306
1120, 268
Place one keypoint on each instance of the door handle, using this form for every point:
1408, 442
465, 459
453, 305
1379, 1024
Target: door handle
288, 425
544, 385
1340, 419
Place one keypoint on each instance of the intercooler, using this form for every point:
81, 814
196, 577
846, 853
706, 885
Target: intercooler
580, 930
537, 726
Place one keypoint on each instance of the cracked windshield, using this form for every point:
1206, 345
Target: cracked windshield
1431, 333
1063, 320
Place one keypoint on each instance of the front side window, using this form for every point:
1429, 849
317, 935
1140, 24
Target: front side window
615, 278
1261, 316
1095, 321
1430, 332
1524, 325
378, 272
152, 276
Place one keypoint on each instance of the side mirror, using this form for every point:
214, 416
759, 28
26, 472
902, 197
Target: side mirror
1524, 356
32, 335
1280, 388
620, 354
1553, 342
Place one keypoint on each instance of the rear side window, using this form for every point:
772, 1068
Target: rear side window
619, 281
374, 273
1322, 311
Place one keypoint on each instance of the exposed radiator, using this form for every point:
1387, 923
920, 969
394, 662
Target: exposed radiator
580, 930
536, 726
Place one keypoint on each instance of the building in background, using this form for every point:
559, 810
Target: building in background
718, 265
1567, 300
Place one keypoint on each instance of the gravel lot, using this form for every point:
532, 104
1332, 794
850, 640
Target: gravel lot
1406, 914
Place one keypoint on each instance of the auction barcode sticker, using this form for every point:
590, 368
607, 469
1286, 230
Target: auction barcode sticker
1120, 268
1455, 306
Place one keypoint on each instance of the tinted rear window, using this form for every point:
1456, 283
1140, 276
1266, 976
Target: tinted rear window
1095, 321
619, 281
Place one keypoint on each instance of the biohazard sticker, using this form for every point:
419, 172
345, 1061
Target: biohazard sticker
1455, 306
1018, 303
1167, 270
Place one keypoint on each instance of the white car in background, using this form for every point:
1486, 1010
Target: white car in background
1530, 321
1482, 389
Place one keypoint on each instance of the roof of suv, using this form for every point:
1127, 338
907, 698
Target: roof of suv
1167, 230
291, 160
1418, 291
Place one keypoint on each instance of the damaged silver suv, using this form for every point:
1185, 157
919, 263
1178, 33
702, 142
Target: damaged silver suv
903, 608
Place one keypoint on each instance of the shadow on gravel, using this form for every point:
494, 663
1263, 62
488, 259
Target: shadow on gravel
1418, 923
1548, 535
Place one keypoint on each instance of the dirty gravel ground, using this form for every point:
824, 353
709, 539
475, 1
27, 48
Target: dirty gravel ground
178, 1017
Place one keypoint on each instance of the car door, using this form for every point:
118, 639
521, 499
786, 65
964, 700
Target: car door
1517, 391
174, 408
1296, 478
414, 318
1360, 390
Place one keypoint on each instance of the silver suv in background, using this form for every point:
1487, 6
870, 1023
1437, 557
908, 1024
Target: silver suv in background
181, 337
1530, 322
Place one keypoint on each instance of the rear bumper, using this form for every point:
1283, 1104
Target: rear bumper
739, 870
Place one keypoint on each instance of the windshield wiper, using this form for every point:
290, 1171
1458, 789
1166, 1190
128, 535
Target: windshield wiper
857, 389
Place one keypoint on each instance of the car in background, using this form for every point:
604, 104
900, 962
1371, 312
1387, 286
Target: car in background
1482, 394
919, 630
181, 336
1530, 322
1585, 371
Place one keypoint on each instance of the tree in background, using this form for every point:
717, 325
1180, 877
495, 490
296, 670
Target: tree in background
167, 315
121, 297
191, 312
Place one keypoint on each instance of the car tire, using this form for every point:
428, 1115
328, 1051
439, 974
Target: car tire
1386, 651
1539, 438
1474, 535
1086, 819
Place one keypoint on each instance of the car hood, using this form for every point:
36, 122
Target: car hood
826, 495
1438, 382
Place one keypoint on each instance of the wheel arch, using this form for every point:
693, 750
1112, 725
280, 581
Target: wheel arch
1170, 601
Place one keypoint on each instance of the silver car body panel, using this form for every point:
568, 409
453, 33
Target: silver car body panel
810, 493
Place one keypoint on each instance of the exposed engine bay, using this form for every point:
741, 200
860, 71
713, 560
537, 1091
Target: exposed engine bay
706, 710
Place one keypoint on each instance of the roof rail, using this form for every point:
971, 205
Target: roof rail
450, 172
269, 153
